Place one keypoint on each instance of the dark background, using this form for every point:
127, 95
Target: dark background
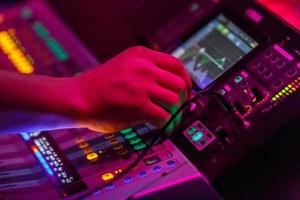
107, 27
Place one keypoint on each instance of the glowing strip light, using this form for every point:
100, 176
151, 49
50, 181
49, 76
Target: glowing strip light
52, 43
25, 136
290, 88
42, 160
14, 53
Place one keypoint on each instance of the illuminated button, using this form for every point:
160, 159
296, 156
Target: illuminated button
126, 131
171, 163
92, 156
135, 140
128, 179
193, 106
244, 74
110, 186
88, 150
109, 136
83, 145
139, 146
227, 88
130, 135
192, 130
286, 88
142, 174
114, 141
107, 176
156, 168
238, 79
197, 136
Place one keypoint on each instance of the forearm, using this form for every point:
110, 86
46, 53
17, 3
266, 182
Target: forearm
35, 102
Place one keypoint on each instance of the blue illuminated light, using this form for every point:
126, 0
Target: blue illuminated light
25, 136
42, 160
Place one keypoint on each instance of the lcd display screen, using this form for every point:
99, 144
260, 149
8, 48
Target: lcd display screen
213, 49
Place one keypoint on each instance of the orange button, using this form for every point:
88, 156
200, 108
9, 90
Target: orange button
107, 176
92, 156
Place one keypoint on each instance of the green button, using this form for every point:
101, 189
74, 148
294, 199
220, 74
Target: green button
139, 146
126, 131
238, 79
192, 130
197, 136
130, 135
135, 140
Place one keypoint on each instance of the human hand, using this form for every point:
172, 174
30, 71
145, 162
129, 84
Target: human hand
137, 86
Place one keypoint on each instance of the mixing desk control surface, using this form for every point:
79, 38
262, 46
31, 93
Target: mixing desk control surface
245, 61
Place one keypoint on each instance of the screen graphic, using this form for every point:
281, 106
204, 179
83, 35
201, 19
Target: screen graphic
214, 49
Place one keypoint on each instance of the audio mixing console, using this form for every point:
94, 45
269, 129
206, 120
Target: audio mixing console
238, 51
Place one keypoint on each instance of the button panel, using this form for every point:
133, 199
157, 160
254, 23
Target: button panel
199, 135
270, 63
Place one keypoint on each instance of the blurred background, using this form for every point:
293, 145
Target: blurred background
108, 27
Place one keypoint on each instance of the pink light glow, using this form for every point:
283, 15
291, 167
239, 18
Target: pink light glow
227, 88
254, 15
283, 52
244, 74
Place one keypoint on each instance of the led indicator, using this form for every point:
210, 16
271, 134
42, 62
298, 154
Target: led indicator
42, 160
227, 88
92, 156
244, 74
192, 130
197, 136
126, 131
135, 141
107, 176
83, 145
139, 146
25, 136
52, 43
11, 47
238, 79
88, 150
130, 135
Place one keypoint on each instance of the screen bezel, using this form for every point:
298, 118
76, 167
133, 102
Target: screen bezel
241, 22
